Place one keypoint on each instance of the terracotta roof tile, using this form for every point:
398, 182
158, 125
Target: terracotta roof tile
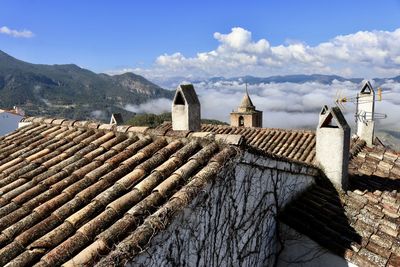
72, 191
297, 145
69, 187
156, 221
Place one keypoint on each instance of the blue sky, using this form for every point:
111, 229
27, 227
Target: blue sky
115, 35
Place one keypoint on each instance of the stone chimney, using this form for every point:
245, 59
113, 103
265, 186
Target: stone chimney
365, 113
332, 148
186, 109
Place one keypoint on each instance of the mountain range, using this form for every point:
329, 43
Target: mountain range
299, 78
171, 82
77, 93
70, 91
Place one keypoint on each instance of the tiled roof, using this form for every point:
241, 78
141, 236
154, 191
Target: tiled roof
70, 191
362, 224
296, 145
376, 161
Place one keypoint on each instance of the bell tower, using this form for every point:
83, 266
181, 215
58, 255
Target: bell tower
246, 115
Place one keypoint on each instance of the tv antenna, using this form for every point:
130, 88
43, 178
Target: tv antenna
362, 116
340, 100
365, 117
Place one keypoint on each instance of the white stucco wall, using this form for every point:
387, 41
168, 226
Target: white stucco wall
233, 221
332, 154
8, 122
299, 250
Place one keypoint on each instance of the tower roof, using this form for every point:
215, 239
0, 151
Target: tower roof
246, 104
246, 101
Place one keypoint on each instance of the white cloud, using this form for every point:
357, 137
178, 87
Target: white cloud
16, 33
156, 106
284, 105
98, 114
366, 54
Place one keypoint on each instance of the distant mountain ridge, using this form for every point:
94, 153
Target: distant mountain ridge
298, 78
70, 91
172, 82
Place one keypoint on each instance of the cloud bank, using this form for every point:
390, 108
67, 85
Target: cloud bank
156, 106
365, 54
16, 33
285, 105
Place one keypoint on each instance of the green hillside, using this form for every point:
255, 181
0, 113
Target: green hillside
70, 91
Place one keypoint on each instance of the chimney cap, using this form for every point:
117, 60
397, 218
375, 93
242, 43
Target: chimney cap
332, 113
367, 88
324, 110
188, 93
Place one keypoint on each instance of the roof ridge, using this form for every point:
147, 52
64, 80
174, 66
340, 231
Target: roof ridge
228, 139
261, 128
167, 123
89, 124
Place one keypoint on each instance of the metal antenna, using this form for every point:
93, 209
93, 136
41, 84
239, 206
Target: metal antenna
368, 116
360, 115
340, 100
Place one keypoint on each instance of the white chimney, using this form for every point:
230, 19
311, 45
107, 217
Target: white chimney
332, 147
186, 109
116, 119
365, 113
